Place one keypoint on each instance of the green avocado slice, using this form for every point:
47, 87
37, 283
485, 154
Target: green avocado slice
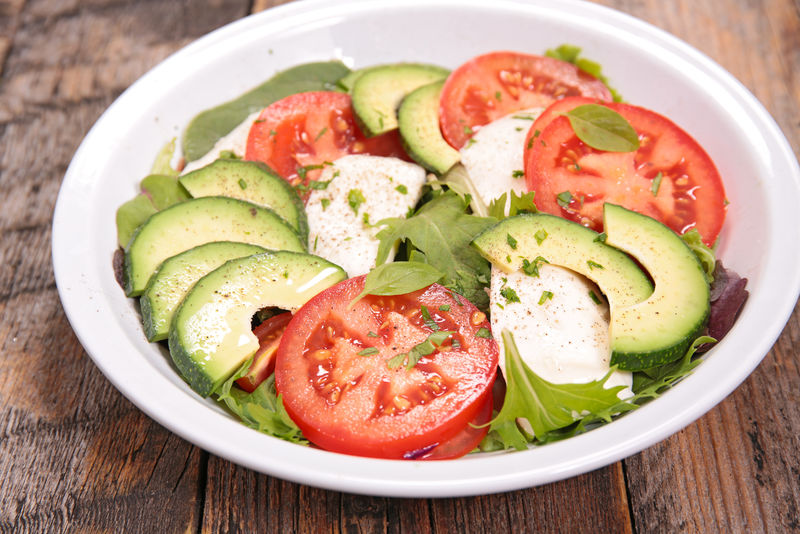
210, 336
201, 220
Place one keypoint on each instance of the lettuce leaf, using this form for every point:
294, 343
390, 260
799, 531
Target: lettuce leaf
544, 405
262, 409
442, 231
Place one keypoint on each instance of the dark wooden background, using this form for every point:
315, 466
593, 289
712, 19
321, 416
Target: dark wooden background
75, 455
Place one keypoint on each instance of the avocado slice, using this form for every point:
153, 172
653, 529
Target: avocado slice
659, 329
418, 120
568, 244
210, 336
377, 93
194, 222
250, 181
176, 276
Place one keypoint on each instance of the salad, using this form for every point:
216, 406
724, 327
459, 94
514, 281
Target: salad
411, 263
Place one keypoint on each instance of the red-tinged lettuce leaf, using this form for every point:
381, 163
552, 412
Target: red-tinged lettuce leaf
544, 405
728, 295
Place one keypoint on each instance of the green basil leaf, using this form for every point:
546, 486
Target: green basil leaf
603, 128
398, 278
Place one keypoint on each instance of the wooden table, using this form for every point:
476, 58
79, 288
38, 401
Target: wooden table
76, 455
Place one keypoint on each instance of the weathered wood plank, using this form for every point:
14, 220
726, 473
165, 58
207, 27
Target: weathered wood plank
74, 454
736, 468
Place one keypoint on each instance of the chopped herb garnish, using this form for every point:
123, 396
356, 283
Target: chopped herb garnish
355, 198
594, 297
426, 316
325, 203
302, 171
484, 333
656, 183
242, 183
517, 174
444, 307
530, 142
509, 294
425, 348
368, 351
365, 218
498, 96
467, 130
320, 134
259, 121
523, 117
564, 198
511, 241
532, 268
371, 334
271, 132
508, 259
540, 236
312, 185
601, 238
403, 190
286, 274
546, 295
594, 265
315, 243
471, 142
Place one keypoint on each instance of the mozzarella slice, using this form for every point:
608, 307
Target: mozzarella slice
494, 157
363, 190
565, 339
235, 141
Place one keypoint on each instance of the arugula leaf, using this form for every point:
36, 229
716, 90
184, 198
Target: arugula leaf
603, 128
545, 406
458, 180
442, 231
571, 54
516, 204
398, 278
262, 409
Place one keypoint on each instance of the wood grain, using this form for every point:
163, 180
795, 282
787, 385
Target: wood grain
76, 456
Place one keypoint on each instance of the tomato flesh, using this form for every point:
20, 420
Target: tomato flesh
670, 177
351, 401
297, 135
269, 337
493, 85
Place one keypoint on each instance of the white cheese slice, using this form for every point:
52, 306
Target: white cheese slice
494, 157
340, 227
566, 338
235, 141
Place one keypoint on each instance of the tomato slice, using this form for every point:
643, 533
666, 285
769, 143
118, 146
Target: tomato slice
493, 85
298, 134
269, 337
670, 177
334, 374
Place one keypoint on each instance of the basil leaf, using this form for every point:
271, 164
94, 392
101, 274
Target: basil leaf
603, 128
398, 278
442, 231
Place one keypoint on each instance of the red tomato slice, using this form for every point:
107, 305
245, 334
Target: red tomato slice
309, 129
269, 337
689, 192
347, 400
493, 85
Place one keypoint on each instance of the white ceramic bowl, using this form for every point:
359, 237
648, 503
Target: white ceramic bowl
649, 67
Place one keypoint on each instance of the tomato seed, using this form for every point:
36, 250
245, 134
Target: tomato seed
320, 355
477, 318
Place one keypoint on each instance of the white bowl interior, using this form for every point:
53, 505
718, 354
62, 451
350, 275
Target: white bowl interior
649, 67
